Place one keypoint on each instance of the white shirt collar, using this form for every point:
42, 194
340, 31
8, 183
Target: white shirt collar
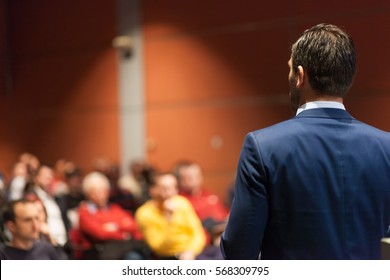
320, 104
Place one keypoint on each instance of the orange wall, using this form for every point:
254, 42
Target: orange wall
213, 71
206, 80
64, 99
220, 68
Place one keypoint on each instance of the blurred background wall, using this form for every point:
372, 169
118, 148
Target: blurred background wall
210, 72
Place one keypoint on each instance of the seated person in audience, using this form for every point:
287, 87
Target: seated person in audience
137, 180
70, 201
44, 231
22, 220
108, 230
18, 181
32, 162
56, 219
206, 204
118, 195
169, 223
59, 185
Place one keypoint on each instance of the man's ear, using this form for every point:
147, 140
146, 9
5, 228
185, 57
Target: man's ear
11, 226
300, 77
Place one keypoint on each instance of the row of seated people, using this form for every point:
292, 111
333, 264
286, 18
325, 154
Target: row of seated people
165, 226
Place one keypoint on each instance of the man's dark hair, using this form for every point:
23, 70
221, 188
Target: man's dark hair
157, 175
327, 54
8, 211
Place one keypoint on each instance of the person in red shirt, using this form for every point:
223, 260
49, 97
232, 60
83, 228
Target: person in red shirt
206, 204
112, 232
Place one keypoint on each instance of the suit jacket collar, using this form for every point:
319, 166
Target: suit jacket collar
325, 113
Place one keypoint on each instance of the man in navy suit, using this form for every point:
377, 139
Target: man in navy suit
316, 186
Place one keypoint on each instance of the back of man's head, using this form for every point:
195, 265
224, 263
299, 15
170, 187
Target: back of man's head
327, 54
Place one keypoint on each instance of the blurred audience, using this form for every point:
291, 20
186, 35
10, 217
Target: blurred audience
92, 217
21, 218
44, 231
18, 181
59, 185
56, 219
206, 204
106, 230
119, 196
32, 162
137, 181
169, 223
22, 173
70, 201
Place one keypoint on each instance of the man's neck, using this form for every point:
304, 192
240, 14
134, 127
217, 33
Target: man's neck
320, 104
324, 98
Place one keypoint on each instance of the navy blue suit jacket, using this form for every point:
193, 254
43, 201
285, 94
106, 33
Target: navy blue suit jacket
316, 186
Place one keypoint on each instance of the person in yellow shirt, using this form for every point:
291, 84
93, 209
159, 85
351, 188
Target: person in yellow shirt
169, 223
